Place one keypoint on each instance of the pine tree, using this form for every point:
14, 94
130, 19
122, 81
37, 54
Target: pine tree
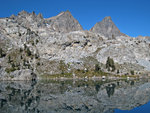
97, 68
9, 59
1, 52
118, 71
25, 46
28, 52
20, 50
132, 72
37, 41
110, 64
24, 62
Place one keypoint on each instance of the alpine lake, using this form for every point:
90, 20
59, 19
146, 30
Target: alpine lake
75, 96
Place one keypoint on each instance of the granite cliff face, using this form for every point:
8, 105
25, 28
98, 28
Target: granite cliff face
31, 44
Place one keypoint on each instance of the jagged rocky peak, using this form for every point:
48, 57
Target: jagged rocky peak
107, 19
146, 38
40, 16
23, 13
107, 28
64, 22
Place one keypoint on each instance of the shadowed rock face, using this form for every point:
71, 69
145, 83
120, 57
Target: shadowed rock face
107, 28
64, 22
72, 96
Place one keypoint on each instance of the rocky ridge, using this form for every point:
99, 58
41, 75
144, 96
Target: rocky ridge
60, 45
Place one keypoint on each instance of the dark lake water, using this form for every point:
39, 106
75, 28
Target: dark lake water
70, 96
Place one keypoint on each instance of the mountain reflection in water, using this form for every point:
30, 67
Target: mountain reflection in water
73, 96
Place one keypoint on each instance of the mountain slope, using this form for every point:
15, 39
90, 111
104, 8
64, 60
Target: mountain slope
30, 44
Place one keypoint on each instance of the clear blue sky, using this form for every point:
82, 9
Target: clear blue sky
132, 17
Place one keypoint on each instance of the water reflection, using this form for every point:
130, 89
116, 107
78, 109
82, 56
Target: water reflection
110, 88
72, 96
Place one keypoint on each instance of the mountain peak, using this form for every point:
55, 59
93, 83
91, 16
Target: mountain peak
67, 12
107, 28
23, 13
64, 22
64, 14
107, 19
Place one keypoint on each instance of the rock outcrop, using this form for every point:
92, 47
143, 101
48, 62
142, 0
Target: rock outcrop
60, 45
107, 28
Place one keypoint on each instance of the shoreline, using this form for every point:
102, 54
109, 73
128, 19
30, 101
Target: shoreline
93, 78
112, 77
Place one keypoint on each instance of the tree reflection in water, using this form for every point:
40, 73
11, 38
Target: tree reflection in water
72, 96
110, 89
